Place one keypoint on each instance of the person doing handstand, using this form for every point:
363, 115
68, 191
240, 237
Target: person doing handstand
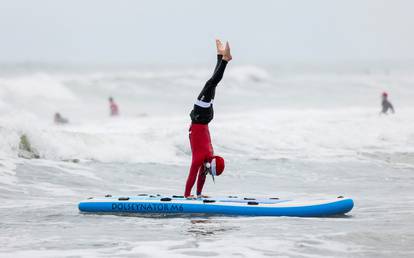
203, 159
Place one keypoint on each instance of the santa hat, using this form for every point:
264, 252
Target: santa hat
217, 165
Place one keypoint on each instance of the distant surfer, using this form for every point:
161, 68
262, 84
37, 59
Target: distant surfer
203, 160
386, 104
59, 119
113, 107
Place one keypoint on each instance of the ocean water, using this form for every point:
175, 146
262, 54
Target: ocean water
284, 132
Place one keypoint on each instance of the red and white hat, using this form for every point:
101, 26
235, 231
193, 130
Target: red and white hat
217, 165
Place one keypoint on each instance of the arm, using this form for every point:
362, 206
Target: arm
196, 164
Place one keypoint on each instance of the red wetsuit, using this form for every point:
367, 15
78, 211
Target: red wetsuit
200, 140
202, 151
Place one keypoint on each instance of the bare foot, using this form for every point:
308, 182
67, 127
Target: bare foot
190, 197
220, 47
227, 55
202, 196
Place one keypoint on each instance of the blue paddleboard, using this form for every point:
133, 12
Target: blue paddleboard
231, 205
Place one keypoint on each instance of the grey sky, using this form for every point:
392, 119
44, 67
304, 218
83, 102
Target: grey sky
182, 31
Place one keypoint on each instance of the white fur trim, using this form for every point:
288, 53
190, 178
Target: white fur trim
213, 167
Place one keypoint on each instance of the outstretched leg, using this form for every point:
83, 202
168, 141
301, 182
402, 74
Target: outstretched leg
223, 57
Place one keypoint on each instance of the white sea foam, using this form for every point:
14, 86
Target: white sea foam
258, 115
259, 134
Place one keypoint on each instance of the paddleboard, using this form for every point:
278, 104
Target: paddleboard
230, 205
